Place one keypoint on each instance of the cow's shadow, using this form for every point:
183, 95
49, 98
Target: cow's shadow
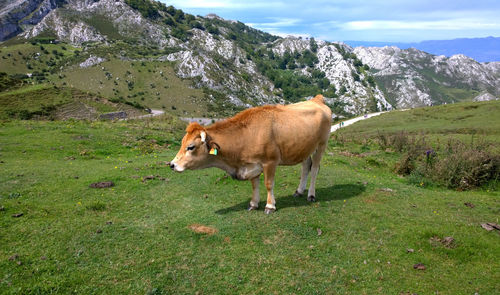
323, 194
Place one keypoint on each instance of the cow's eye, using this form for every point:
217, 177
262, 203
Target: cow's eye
190, 148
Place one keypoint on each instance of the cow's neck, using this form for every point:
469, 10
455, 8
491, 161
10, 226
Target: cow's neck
226, 158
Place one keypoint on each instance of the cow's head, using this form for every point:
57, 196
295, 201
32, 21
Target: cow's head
194, 151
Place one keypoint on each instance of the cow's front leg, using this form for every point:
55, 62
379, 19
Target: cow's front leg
254, 203
269, 171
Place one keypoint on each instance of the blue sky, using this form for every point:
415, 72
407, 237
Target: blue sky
362, 20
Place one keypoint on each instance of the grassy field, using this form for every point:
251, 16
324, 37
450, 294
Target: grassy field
461, 120
363, 236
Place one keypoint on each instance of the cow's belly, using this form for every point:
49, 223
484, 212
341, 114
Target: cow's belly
248, 171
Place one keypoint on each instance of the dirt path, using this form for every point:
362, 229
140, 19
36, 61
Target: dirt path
352, 121
153, 113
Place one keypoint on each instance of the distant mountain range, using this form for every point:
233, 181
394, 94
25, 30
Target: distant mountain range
481, 49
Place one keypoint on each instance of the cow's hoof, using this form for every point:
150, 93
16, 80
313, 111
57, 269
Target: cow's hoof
311, 199
297, 194
269, 211
251, 208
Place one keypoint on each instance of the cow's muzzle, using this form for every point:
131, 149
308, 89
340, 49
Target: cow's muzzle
176, 167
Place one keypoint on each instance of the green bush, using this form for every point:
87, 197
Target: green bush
458, 165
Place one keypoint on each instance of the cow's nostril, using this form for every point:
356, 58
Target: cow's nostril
172, 165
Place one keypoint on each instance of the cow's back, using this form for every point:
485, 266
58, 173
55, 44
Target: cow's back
287, 134
299, 128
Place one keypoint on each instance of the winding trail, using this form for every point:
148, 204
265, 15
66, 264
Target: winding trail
354, 120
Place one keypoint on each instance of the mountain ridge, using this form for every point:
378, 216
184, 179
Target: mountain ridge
226, 65
485, 49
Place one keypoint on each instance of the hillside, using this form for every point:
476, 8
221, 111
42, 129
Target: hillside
467, 121
145, 52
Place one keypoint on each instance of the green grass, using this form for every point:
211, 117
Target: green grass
459, 121
47, 101
135, 237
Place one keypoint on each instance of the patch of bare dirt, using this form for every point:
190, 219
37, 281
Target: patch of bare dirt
153, 177
447, 242
470, 205
362, 155
102, 184
202, 229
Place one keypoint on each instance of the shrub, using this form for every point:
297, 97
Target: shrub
458, 165
466, 166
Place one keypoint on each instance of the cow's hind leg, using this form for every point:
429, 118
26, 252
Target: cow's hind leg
306, 167
316, 158
269, 171
254, 203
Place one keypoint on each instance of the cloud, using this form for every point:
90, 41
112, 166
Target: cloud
444, 25
278, 22
224, 4
402, 20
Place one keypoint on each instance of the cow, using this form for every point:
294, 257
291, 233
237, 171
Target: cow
257, 140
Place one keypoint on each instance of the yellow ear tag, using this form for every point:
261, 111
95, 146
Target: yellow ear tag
213, 151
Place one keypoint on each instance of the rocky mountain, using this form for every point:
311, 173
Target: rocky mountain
145, 52
480, 49
412, 78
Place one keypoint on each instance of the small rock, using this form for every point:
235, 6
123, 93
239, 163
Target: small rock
205, 196
19, 262
109, 222
486, 226
43, 258
470, 205
410, 250
419, 266
99, 231
494, 225
319, 231
76, 177
17, 215
386, 189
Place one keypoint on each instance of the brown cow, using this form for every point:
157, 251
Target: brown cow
259, 139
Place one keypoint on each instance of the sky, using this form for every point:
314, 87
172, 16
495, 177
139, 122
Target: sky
360, 20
